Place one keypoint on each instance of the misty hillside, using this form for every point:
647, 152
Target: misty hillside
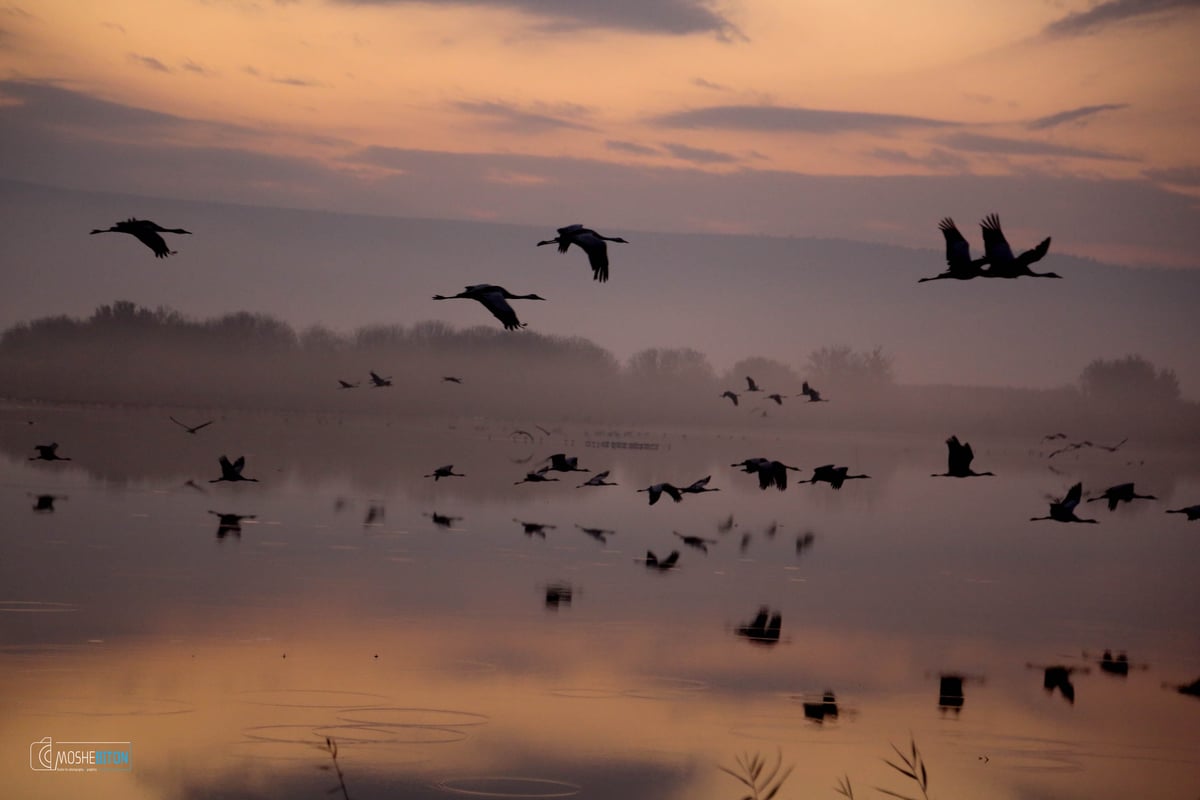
743, 295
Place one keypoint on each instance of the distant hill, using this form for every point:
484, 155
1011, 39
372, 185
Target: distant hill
727, 296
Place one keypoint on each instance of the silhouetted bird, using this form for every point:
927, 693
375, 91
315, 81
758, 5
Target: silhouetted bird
599, 534
48, 452
378, 381
451, 379
1050, 437
834, 476
445, 472
590, 242
959, 460
778, 398
1192, 688
804, 541
147, 233
443, 520
950, 692
1001, 261
662, 565
812, 394
232, 471
559, 462
826, 709
375, 514
44, 503
494, 299
559, 594
699, 487
698, 542
751, 385
726, 525
1114, 666
958, 256
191, 428
1064, 510
534, 528
770, 473
1121, 493
229, 523
346, 384
656, 491
534, 477
1193, 512
1059, 677
764, 628
731, 395
597, 480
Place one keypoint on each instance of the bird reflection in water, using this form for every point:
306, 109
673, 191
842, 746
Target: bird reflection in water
950, 692
229, 523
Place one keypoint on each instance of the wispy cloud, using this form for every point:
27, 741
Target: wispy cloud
698, 155
665, 17
1178, 176
199, 69
1114, 12
113, 26
632, 147
520, 120
1062, 117
286, 80
707, 84
936, 159
149, 62
791, 119
998, 145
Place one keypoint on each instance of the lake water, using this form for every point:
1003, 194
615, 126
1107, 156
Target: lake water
429, 651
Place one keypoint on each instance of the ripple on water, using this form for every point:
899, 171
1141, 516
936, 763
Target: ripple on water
353, 734
505, 786
411, 717
36, 607
311, 698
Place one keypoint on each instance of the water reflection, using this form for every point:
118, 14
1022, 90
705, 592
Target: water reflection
433, 662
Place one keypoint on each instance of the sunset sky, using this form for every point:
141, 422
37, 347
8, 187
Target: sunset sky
865, 120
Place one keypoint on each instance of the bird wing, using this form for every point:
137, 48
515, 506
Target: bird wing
226, 466
672, 492
1072, 497
958, 250
597, 253
698, 485
201, 425
670, 560
494, 302
177, 422
152, 240
567, 235
239, 464
995, 246
1036, 254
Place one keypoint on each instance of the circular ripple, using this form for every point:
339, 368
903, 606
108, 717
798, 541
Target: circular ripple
311, 698
665, 688
404, 717
502, 786
353, 734
35, 607
587, 694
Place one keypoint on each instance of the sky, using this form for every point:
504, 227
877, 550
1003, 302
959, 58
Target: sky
868, 120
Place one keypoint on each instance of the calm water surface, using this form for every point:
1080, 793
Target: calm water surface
428, 649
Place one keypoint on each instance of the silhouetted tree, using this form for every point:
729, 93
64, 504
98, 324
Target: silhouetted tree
771, 375
842, 368
658, 365
1129, 379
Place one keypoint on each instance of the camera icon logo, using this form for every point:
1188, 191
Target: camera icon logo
41, 754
